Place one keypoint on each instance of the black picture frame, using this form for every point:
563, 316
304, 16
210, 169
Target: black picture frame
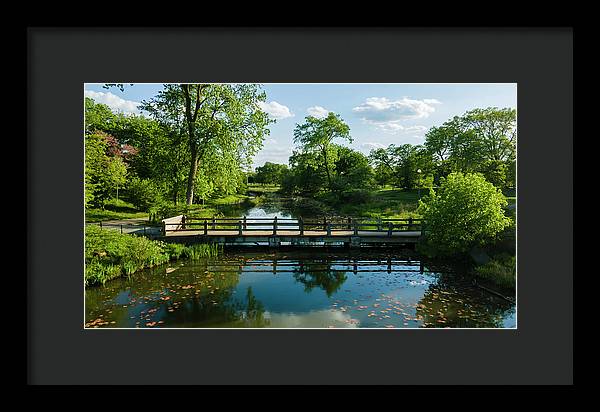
61, 60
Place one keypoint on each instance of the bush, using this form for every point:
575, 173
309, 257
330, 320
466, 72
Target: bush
144, 194
110, 254
466, 211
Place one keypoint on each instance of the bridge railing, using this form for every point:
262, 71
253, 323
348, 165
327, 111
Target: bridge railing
275, 224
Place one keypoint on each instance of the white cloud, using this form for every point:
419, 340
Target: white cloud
394, 127
272, 152
275, 110
382, 109
115, 103
372, 146
318, 112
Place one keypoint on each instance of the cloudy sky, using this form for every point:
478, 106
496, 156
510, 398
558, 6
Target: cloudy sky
378, 114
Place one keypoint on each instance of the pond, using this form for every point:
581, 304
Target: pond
297, 289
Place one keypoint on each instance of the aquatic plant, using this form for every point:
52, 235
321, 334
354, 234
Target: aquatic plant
202, 250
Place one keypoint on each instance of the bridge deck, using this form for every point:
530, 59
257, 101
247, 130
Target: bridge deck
293, 233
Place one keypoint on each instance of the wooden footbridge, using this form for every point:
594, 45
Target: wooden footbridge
276, 231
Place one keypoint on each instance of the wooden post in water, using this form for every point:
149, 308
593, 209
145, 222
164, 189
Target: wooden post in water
389, 265
240, 227
301, 225
390, 228
275, 225
329, 229
355, 228
205, 227
410, 223
245, 225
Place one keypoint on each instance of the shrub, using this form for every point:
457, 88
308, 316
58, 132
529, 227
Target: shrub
144, 194
466, 211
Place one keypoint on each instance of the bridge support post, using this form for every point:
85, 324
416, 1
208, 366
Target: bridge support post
390, 228
274, 241
275, 226
329, 229
240, 228
410, 223
245, 225
355, 229
301, 226
205, 227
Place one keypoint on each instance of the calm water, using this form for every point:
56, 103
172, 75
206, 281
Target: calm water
296, 290
306, 288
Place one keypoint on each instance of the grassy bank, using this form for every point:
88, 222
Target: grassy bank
500, 270
114, 209
110, 254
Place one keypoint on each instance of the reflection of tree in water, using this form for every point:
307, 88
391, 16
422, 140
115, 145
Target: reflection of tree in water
457, 304
253, 311
219, 309
320, 275
189, 297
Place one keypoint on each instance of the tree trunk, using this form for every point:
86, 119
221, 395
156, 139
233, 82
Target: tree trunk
192, 177
191, 126
327, 168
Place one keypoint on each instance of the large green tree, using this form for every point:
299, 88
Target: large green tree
270, 173
481, 140
317, 135
222, 119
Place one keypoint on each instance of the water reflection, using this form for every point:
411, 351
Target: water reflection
321, 276
296, 289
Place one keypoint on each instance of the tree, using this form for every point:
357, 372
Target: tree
382, 166
407, 166
98, 117
352, 170
317, 134
466, 211
270, 173
305, 176
104, 170
481, 140
224, 119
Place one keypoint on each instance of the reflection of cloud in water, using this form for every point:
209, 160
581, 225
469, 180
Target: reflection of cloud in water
313, 319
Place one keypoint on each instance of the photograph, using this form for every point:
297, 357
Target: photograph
300, 205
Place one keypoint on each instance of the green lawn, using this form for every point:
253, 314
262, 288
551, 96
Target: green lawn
386, 203
114, 210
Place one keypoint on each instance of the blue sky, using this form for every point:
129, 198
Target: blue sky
378, 114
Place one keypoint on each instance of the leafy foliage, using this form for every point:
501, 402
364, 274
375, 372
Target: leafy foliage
466, 211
